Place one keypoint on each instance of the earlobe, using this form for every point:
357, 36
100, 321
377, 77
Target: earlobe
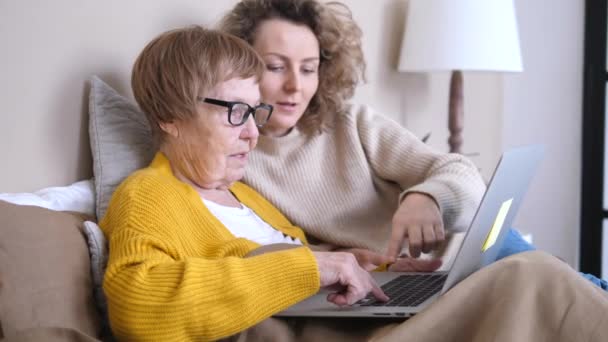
170, 128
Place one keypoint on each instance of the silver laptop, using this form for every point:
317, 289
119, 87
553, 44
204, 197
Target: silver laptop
411, 292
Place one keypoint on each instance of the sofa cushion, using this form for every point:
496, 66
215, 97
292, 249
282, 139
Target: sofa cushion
98, 250
45, 278
121, 140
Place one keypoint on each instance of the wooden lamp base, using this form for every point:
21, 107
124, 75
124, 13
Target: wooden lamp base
456, 112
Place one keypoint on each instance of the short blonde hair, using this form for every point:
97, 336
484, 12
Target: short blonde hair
342, 64
178, 66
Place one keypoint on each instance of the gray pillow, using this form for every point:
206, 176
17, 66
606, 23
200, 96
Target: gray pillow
121, 140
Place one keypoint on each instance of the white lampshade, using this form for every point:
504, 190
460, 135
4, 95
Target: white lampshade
460, 35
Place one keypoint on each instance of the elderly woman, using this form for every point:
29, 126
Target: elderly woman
179, 230
187, 239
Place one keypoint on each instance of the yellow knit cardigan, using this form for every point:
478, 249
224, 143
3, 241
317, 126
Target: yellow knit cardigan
175, 273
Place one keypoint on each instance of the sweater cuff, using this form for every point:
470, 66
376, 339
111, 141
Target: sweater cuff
300, 273
433, 190
445, 200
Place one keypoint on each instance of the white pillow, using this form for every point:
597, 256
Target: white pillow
78, 197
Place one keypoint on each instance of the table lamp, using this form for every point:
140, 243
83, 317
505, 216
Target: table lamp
459, 35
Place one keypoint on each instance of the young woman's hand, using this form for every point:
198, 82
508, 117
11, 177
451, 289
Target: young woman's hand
367, 259
418, 219
341, 271
407, 264
370, 260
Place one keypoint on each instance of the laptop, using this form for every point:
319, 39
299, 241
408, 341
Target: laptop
411, 292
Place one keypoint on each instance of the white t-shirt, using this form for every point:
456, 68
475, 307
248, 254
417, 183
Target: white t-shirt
245, 223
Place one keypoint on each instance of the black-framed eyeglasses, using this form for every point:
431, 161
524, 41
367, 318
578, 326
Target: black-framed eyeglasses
238, 112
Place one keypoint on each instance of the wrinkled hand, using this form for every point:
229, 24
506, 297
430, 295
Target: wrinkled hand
367, 259
407, 264
418, 218
341, 270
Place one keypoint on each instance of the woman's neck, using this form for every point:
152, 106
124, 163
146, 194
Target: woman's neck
219, 194
221, 197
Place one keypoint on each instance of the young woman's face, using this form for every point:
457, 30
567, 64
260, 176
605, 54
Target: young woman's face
291, 79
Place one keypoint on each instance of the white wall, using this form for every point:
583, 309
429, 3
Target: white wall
48, 51
544, 104
420, 101
50, 48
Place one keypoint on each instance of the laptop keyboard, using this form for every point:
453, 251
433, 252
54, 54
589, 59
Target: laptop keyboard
408, 290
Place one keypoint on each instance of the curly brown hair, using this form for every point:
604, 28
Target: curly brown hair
176, 67
342, 65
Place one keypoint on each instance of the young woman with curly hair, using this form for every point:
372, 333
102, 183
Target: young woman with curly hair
355, 180
352, 178
348, 176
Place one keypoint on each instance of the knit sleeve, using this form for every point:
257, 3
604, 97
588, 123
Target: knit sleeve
157, 291
153, 297
396, 155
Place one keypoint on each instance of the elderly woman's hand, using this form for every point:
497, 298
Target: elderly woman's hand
419, 219
341, 270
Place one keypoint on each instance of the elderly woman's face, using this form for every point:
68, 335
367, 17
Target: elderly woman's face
213, 153
291, 54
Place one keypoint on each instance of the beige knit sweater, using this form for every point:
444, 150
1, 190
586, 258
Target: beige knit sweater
343, 186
